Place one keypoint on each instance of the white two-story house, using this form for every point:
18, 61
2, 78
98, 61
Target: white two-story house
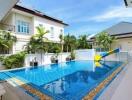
23, 21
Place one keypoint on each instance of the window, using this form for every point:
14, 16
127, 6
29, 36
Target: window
61, 31
23, 27
52, 32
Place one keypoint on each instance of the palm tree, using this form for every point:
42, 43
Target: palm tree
6, 40
61, 41
69, 42
83, 43
73, 43
38, 41
104, 40
111, 40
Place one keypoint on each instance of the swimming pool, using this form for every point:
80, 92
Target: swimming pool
66, 81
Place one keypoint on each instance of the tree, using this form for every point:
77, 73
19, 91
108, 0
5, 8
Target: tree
70, 43
6, 41
54, 47
83, 43
38, 41
61, 41
104, 40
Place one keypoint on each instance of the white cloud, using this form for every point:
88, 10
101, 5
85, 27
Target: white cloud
114, 13
86, 29
64, 13
118, 12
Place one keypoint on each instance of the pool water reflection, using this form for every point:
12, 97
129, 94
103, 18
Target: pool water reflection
69, 81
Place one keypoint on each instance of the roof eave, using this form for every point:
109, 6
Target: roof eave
126, 4
38, 14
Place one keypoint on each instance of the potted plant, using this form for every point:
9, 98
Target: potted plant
35, 62
68, 58
54, 59
56, 51
71, 56
31, 63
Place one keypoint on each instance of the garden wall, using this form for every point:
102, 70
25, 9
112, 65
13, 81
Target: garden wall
45, 58
85, 54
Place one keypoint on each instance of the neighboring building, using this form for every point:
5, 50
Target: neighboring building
123, 33
23, 22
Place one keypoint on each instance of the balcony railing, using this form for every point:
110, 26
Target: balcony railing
7, 27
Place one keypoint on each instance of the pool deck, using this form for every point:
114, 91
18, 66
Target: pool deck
121, 87
14, 93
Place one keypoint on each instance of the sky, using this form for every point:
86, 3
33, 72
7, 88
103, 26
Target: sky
83, 16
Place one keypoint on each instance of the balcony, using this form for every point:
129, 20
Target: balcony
7, 27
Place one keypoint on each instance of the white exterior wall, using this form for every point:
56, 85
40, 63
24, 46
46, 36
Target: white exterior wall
85, 54
125, 44
34, 21
48, 24
25, 18
46, 59
22, 39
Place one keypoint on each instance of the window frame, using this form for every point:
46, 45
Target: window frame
23, 27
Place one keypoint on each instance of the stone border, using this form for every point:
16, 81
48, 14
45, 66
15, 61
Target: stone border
92, 94
31, 90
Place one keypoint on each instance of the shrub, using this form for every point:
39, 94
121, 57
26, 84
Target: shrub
54, 59
1, 58
72, 55
14, 61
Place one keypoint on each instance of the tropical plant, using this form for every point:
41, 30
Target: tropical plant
38, 41
72, 55
83, 43
104, 40
70, 43
1, 58
6, 41
61, 41
54, 59
14, 61
56, 49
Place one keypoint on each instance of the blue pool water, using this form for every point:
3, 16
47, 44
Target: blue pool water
67, 81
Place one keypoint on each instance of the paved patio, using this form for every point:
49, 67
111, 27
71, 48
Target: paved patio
14, 93
121, 87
